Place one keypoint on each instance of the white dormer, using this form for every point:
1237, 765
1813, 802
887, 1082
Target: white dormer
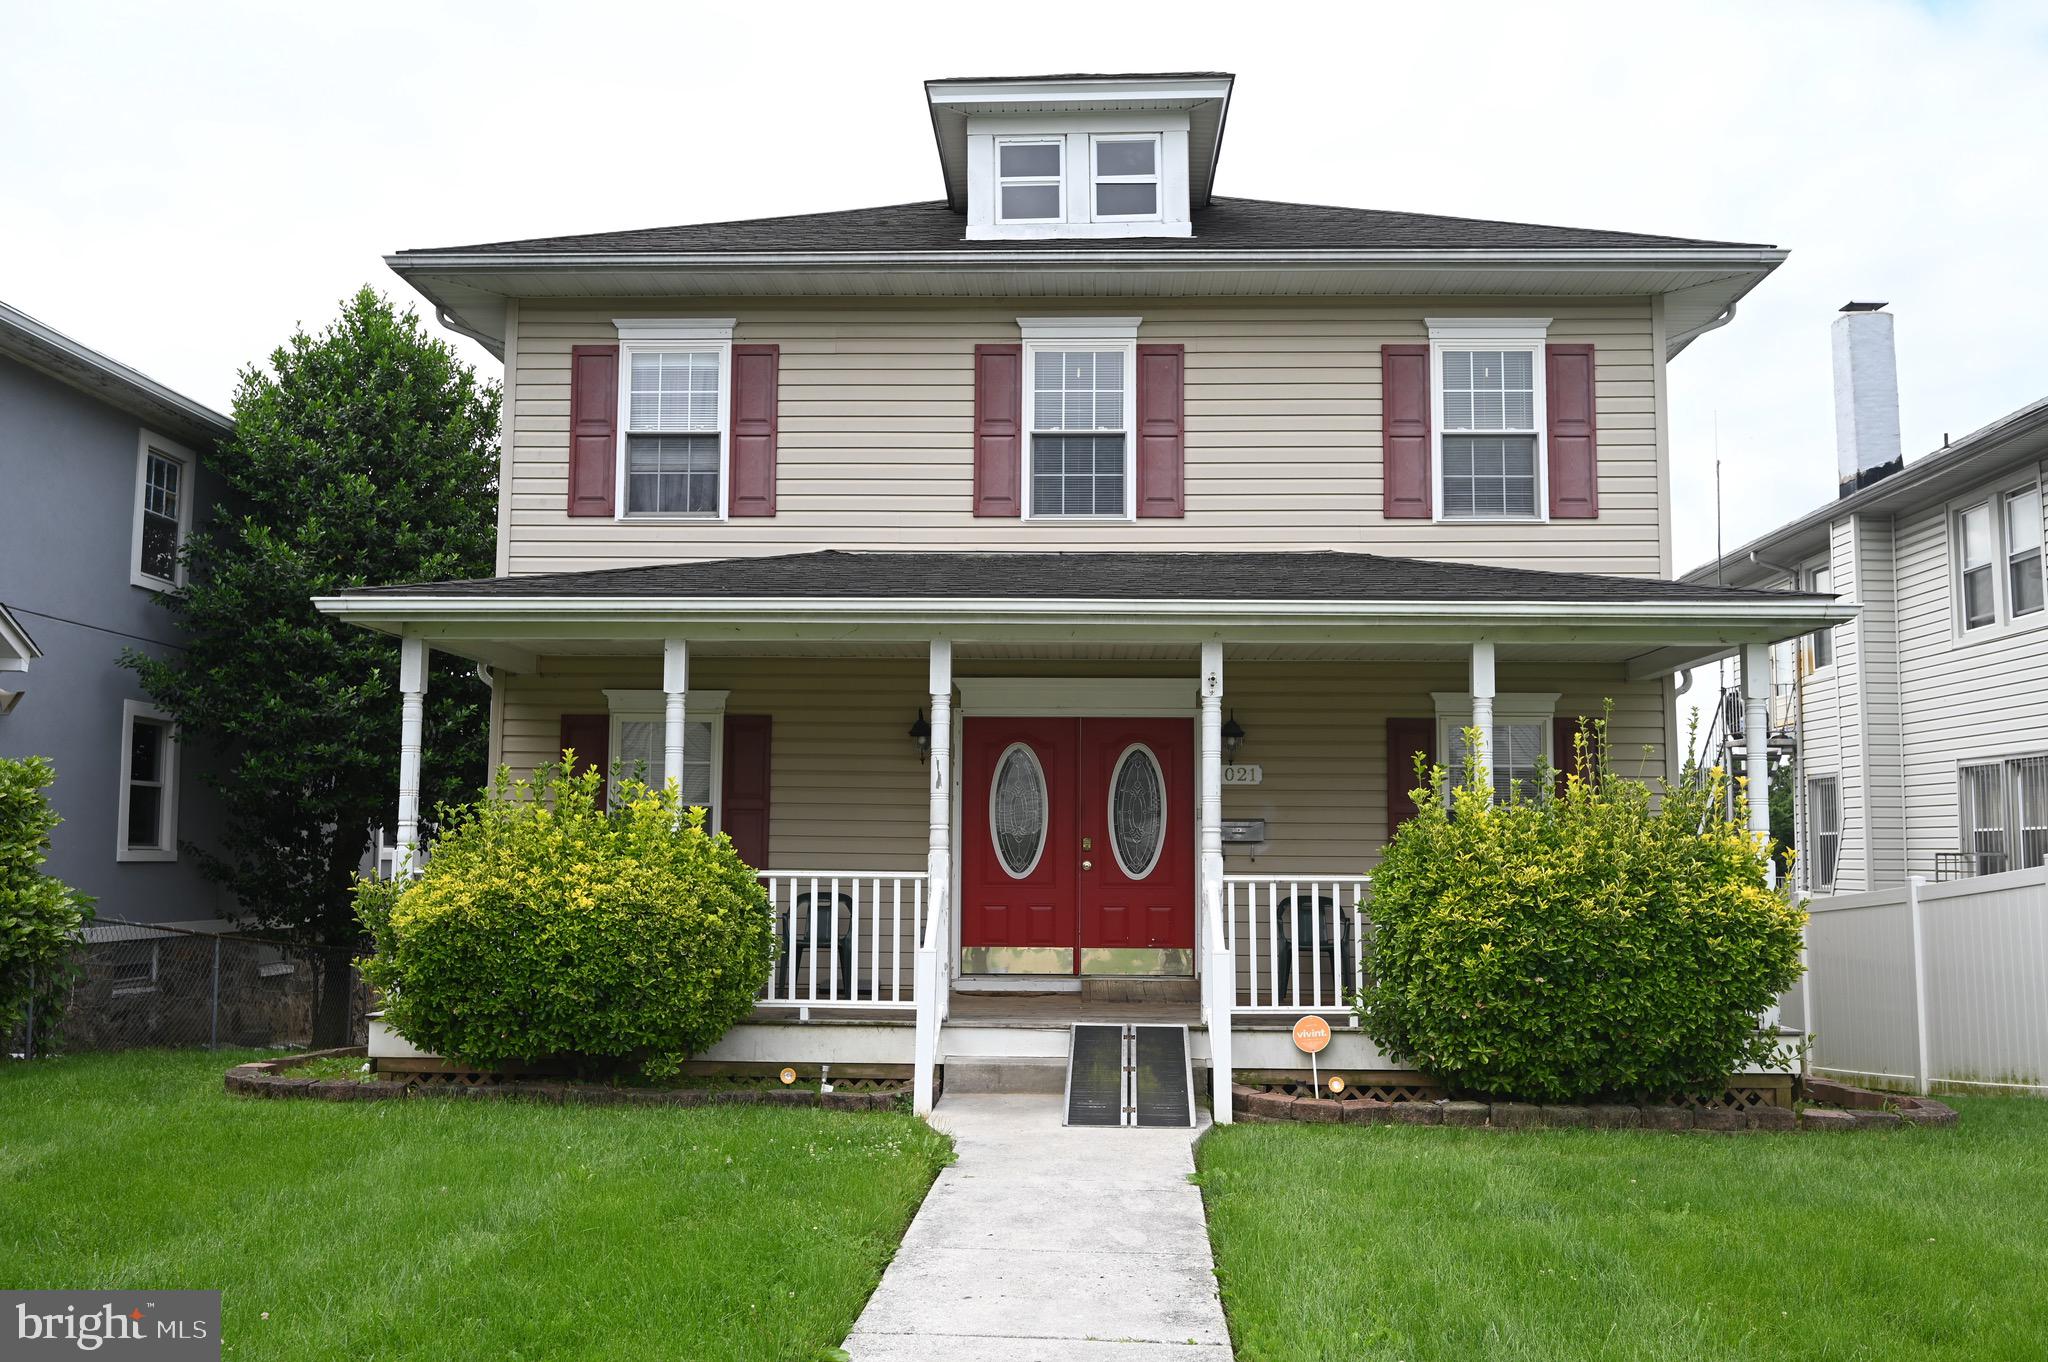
1079, 156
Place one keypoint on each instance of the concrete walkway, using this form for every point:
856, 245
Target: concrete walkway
1049, 1244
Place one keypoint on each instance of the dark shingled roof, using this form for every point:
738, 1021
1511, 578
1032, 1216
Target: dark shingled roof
1226, 224
839, 575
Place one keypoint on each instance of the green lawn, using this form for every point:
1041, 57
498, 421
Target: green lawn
450, 1229
1423, 1244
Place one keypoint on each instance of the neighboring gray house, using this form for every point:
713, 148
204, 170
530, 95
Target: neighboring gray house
104, 476
1922, 727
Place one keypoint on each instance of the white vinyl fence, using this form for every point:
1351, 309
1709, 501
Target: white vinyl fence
1930, 986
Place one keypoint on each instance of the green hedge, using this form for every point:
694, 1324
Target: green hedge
545, 926
1609, 941
39, 914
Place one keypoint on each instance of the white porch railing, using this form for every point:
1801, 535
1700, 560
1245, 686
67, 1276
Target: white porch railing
1297, 943
845, 939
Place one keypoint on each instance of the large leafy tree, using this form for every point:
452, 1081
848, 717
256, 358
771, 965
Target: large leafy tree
365, 454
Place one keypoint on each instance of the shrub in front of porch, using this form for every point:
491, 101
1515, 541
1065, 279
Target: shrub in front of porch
546, 926
1598, 942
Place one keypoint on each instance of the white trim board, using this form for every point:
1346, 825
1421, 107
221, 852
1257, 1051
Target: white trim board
1032, 697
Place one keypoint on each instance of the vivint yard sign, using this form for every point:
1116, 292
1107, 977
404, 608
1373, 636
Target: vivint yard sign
162, 1326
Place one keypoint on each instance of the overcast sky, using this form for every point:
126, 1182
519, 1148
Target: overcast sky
184, 183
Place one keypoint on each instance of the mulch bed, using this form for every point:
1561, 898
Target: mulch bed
1826, 1106
274, 1078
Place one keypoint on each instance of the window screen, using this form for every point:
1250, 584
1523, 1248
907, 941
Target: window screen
147, 759
162, 490
641, 752
1028, 181
1079, 443
2023, 551
1973, 532
1489, 435
674, 421
1517, 753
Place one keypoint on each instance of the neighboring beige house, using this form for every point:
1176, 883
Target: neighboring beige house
1922, 728
1049, 586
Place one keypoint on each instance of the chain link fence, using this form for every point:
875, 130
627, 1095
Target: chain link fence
134, 984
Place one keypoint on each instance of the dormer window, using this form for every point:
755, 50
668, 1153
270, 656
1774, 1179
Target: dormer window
1126, 179
1029, 174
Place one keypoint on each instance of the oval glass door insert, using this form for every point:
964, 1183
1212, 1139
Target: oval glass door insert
1017, 813
1137, 811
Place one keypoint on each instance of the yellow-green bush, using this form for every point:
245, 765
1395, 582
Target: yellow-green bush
1597, 943
546, 926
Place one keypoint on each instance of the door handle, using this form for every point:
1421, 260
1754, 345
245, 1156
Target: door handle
1087, 865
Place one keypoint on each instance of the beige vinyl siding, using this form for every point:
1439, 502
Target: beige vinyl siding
1963, 699
1283, 433
848, 791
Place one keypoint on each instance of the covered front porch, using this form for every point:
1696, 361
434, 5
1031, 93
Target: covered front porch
981, 818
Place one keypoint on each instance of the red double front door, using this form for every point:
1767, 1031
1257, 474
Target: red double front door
1078, 846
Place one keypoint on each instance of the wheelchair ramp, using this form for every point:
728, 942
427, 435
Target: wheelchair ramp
1129, 1076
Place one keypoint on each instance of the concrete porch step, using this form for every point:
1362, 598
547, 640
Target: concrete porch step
1027, 1073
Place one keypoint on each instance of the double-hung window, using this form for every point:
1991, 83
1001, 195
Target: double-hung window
2004, 812
1489, 410
639, 742
163, 512
1030, 179
1824, 826
1999, 561
148, 803
674, 404
1080, 406
1519, 746
2023, 580
1820, 643
1126, 178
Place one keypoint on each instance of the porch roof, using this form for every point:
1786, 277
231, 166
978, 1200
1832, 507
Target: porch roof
1278, 597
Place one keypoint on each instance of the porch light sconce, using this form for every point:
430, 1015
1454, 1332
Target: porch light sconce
1233, 736
921, 734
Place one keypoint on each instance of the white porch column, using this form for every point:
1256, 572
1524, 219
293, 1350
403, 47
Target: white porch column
1482, 711
933, 975
1756, 745
675, 682
1219, 970
412, 690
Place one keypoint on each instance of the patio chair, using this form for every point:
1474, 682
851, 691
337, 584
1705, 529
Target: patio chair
814, 930
1299, 935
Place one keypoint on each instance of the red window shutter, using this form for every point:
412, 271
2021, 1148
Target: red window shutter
998, 429
1162, 430
1574, 465
589, 736
1406, 737
756, 371
743, 803
1404, 433
593, 428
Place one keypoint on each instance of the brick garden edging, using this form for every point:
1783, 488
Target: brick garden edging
1855, 1109
272, 1078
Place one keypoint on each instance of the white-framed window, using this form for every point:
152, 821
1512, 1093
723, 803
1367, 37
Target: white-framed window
1824, 828
639, 743
1820, 644
2025, 587
1031, 179
1488, 409
133, 967
1999, 565
1124, 177
163, 512
674, 405
1519, 745
2003, 808
147, 825
1080, 406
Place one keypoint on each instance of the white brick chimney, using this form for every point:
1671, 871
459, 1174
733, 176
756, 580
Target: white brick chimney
1866, 396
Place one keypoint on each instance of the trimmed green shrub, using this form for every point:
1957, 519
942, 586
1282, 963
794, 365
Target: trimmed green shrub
545, 926
1602, 942
40, 915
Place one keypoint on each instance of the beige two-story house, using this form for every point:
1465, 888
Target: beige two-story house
1050, 586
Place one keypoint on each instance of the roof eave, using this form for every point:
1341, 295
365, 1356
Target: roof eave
44, 348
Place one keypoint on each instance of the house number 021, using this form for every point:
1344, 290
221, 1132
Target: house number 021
1243, 775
